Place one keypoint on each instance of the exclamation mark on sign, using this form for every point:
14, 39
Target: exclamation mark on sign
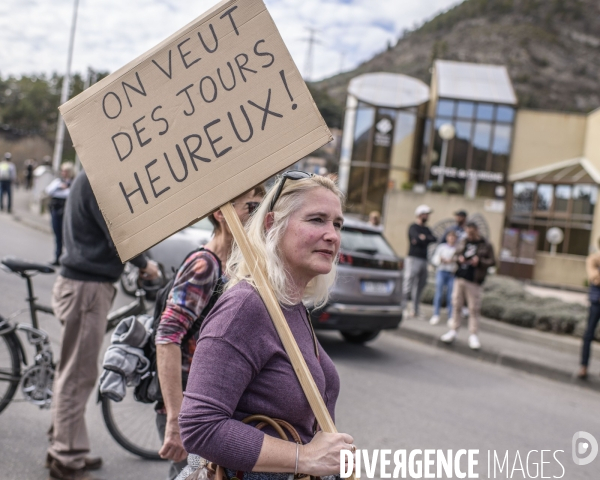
287, 89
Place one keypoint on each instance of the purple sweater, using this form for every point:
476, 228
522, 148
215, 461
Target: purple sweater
240, 368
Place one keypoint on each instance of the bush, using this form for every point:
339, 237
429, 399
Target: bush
493, 306
521, 315
428, 294
453, 188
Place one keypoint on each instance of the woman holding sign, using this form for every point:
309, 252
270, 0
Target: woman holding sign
240, 367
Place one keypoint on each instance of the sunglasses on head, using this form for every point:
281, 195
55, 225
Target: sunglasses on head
292, 175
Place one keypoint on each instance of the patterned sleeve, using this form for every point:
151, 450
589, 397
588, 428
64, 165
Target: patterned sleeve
191, 292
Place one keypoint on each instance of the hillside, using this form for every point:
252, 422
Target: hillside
550, 47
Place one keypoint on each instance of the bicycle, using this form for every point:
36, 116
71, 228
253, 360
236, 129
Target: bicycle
123, 420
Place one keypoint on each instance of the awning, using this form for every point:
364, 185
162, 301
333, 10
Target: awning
574, 171
475, 82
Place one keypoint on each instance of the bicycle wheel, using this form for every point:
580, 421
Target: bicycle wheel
10, 368
133, 425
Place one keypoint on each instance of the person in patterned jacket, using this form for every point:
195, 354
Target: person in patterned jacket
192, 289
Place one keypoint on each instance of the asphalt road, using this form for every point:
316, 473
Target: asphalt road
395, 395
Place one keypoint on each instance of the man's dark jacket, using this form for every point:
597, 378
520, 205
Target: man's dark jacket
485, 253
89, 253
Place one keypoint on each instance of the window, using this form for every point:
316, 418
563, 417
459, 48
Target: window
523, 194
485, 111
365, 117
462, 142
562, 195
481, 145
365, 241
544, 198
584, 199
505, 114
445, 108
568, 207
465, 109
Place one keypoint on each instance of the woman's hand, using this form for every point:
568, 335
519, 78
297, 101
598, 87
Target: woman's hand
322, 455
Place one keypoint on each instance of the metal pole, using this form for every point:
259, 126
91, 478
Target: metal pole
443, 162
64, 96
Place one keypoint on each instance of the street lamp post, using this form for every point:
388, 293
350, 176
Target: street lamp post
447, 133
64, 96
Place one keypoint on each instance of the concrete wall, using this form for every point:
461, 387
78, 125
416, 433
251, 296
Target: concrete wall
400, 208
542, 138
592, 138
559, 270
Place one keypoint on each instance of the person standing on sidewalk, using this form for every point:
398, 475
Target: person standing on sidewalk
460, 217
415, 266
58, 191
592, 265
443, 259
190, 300
474, 255
81, 298
8, 175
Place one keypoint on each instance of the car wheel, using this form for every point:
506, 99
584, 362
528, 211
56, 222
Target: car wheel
129, 279
360, 336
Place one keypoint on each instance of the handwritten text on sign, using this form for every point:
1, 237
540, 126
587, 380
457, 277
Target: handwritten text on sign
213, 110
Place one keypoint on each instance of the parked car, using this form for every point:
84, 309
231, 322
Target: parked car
366, 296
168, 254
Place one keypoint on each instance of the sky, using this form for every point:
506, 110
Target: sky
34, 34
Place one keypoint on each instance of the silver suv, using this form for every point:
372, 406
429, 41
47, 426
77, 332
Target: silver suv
366, 296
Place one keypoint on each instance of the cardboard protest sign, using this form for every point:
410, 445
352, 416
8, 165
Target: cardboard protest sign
208, 113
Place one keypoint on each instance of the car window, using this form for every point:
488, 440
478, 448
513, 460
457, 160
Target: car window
365, 241
203, 224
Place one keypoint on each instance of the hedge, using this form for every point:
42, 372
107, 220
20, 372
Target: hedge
505, 299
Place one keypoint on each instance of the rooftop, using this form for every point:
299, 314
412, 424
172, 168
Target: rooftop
392, 90
475, 82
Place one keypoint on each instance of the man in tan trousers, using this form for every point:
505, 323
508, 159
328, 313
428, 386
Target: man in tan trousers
474, 255
81, 298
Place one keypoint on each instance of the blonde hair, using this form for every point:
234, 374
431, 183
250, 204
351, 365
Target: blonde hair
266, 243
68, 167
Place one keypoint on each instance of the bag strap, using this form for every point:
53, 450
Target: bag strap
277, 424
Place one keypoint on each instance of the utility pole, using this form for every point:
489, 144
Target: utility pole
309, 54
64, 96
342, 58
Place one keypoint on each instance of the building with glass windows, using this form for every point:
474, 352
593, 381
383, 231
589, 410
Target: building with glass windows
384, 113
479, 101
525, 171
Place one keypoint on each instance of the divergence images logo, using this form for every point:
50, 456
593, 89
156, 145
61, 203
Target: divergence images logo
584, 444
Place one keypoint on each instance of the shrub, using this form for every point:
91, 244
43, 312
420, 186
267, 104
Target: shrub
521, 315
453, 188
493, 306
428, 294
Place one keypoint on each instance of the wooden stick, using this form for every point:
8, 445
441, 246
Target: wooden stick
287, 338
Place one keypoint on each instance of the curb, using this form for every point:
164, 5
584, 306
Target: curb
37, 225
498, 358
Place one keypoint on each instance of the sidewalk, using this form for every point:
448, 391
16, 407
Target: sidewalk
22, 212
540, 353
